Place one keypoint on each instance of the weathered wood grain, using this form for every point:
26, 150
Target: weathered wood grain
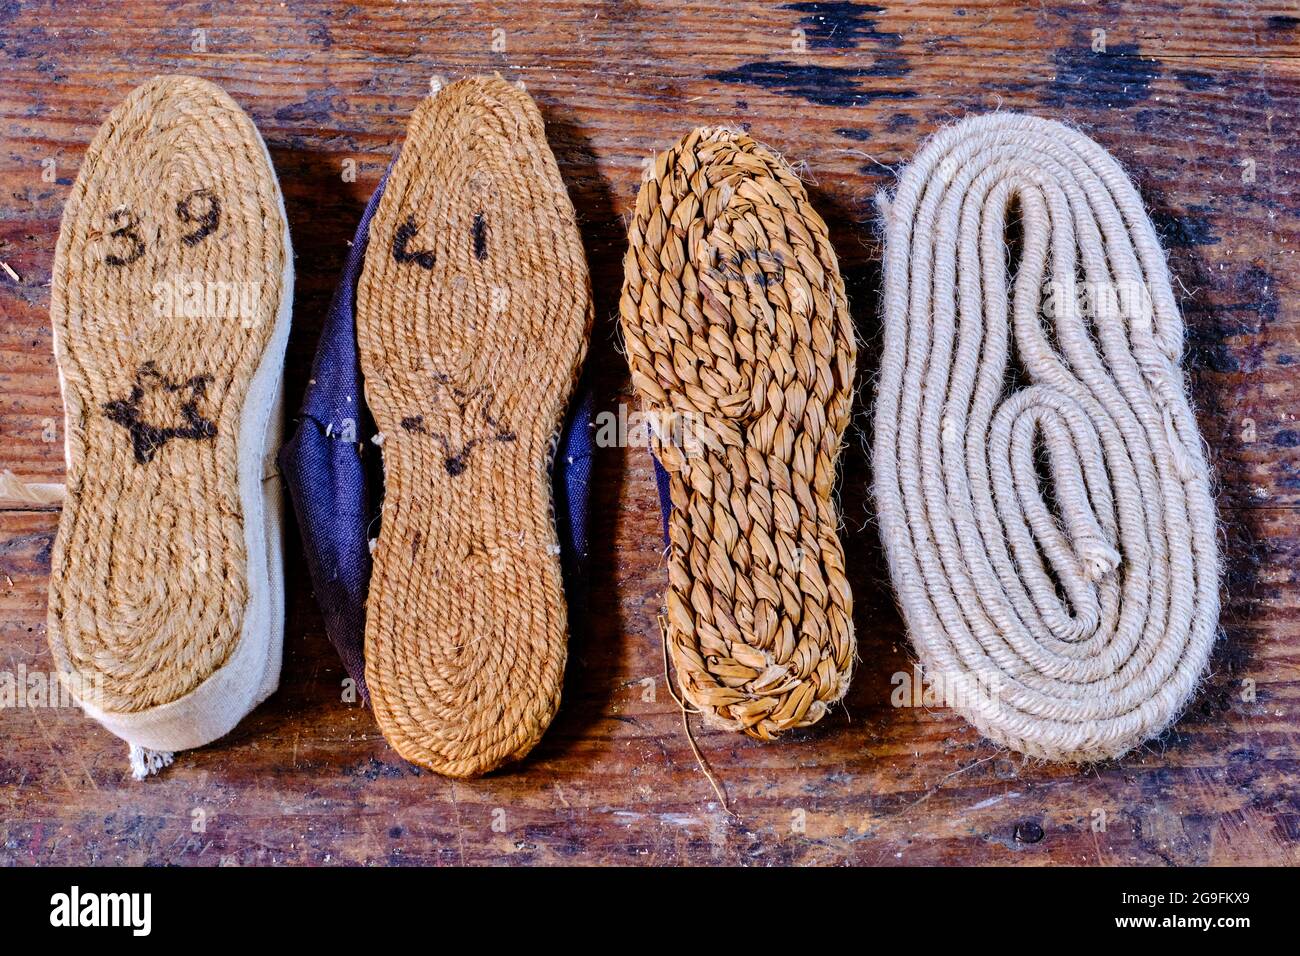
1197, 99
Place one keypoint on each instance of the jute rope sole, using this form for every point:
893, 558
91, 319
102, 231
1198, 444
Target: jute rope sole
741, 348
1072, 623
170, 308
473, 311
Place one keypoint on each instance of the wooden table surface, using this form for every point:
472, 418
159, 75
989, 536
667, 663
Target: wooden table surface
1199, 100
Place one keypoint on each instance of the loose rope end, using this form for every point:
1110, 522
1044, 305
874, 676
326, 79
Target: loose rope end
1097, 559
145, 762
703, 764
884, 203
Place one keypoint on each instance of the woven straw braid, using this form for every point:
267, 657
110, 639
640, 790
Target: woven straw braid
739, 338
148, 582
1071, 624
473, 311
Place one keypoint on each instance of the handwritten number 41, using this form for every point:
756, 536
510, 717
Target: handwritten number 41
199, 209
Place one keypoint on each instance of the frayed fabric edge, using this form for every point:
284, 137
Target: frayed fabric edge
145, 761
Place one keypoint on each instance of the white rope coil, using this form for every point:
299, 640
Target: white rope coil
1045, 508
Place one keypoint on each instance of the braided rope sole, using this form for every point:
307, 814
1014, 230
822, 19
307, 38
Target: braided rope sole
170, 273
741, 347
473, 311
1071, 624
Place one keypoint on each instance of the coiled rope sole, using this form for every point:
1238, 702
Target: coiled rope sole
1067, 616
742, 351
473, 310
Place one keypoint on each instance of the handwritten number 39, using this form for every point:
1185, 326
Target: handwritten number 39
199, 208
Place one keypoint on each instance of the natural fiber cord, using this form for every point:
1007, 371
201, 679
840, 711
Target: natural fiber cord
473, 311
1043, 493
741, 349
170, 308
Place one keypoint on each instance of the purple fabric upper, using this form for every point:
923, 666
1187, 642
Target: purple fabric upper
572, 481
326, 469
665, 494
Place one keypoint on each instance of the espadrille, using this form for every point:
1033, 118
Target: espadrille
170, 304
742, 352
473, 311
329, 466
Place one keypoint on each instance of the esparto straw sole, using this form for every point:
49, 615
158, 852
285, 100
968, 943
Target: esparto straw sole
741, 348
